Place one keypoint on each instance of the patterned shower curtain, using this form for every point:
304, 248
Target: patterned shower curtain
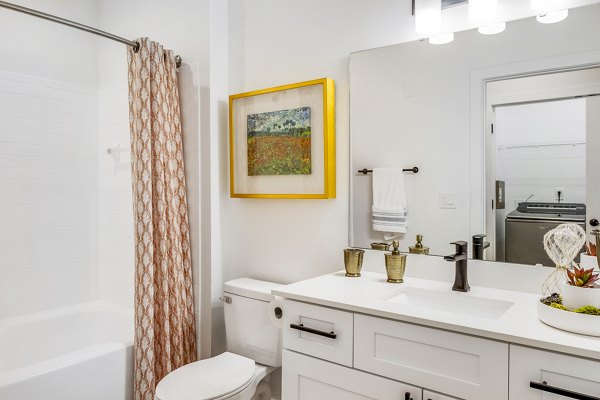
165, 336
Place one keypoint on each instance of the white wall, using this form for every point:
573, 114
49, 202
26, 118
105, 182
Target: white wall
539, 170
48, 163
40, 48
278, 42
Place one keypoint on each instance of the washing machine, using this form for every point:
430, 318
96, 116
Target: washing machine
527, 225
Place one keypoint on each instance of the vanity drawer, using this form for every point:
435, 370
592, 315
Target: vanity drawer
557, 370
459, 365
308, 378
318, 331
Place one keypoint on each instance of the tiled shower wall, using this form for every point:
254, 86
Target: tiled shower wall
48, 194
115, 233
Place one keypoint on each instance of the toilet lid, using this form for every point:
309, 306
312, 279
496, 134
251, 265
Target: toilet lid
207, 379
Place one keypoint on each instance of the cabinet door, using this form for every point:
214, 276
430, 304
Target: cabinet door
463, 366
307, 378
558, 371
427, 395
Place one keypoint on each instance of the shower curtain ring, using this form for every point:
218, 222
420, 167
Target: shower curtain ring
136, 47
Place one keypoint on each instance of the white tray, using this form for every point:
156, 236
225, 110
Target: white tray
569, 321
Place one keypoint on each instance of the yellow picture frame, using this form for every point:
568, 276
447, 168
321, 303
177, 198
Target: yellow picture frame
328, 164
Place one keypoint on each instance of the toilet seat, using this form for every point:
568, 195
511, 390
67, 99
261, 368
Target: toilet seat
218, 377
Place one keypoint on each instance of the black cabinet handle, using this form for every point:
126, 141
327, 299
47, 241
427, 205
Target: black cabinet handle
407, 396
301, 327
544, 387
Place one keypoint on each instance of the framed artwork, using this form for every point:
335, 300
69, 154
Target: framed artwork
282, 142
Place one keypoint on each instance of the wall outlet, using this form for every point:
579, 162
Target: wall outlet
448, 200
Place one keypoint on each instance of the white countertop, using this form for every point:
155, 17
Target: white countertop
369, 293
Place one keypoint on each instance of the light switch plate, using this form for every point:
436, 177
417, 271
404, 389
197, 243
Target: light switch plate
448, 200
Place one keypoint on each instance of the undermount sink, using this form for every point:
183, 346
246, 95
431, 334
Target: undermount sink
452, 302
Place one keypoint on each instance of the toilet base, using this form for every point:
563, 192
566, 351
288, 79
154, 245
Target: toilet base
258, 389
263, 391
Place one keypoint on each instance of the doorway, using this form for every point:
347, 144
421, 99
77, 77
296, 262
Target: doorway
536, 155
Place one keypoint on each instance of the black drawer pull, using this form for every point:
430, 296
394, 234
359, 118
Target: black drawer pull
301, 327
544, 387
407, 396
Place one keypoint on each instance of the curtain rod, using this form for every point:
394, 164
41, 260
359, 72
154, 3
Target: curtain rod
76, 25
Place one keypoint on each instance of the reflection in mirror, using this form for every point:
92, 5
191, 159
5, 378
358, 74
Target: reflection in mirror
536, 163
504, 131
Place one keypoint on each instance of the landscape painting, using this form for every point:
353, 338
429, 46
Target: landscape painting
279, 142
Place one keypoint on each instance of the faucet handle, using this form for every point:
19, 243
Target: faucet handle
461, 246
478, 239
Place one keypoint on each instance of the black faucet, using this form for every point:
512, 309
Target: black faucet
479, 246
461, 283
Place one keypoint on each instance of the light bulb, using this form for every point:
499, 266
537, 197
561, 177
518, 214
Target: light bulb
428, 16
442, 39
492, 29
553, 17
483, 12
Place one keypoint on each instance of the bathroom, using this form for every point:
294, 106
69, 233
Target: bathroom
67, 259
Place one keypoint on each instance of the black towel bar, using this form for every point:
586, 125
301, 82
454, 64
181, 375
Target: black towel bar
414, 170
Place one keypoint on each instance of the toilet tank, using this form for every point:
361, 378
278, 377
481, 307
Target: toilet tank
250, 332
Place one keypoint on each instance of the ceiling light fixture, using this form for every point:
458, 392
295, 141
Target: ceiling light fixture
428, 16
442, 39
492, 29
553, 17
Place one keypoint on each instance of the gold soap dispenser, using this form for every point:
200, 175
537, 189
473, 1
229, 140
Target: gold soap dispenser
418, 248
395, 263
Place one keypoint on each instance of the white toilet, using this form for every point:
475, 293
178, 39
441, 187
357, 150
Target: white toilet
253, 351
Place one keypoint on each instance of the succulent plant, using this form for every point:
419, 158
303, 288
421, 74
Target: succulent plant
582, 277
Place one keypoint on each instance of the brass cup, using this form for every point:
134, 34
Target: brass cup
353, 259
395, 264
380, 246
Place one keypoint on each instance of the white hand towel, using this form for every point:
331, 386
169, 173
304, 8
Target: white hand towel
389, 202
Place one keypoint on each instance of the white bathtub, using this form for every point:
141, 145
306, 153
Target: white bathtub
81, 352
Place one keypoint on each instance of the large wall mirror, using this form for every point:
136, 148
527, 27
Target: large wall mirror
504, 131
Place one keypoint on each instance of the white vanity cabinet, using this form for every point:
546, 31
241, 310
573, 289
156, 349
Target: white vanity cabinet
555, 372
337, 354
332, 354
